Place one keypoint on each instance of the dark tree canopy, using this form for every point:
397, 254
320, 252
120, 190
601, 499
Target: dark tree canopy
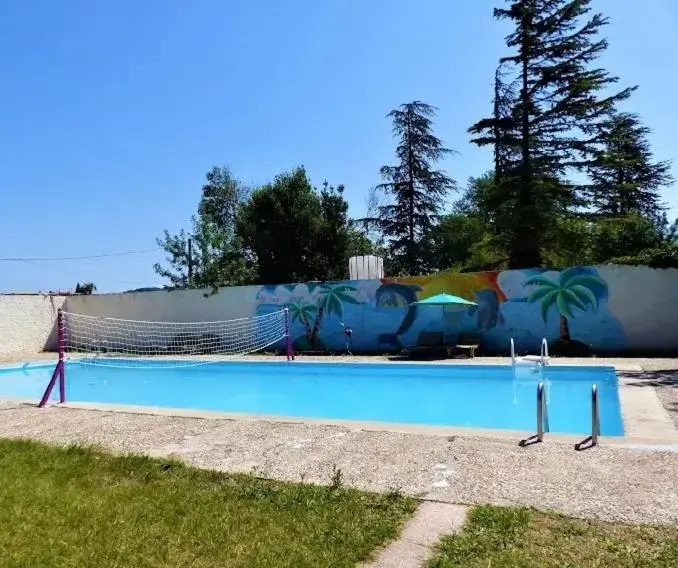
625, 178
554, 124
295, 232
86, 288
415, 190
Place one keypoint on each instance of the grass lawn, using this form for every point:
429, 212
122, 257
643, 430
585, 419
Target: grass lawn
80, 507
499, 537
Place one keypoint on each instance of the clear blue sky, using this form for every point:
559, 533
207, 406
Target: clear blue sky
112, 112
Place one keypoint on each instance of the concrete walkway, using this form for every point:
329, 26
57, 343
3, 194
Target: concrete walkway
420, 535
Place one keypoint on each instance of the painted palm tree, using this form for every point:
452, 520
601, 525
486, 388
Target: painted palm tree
572, 290
330, 300
302, 313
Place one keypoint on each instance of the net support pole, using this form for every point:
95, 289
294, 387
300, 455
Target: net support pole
59, 370
61, 345
288, 336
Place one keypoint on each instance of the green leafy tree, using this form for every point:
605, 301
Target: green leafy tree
295, 232
625, 178
571, 291
210, 255
569, 241
627, 236
334, 234
221, 199
553, 125
475, 199
637, 241
467, 239
86, 288
453, 240
358, 242
416, 192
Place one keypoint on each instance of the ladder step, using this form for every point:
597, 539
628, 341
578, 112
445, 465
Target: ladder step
533, 358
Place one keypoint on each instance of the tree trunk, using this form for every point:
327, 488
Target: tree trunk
564, 330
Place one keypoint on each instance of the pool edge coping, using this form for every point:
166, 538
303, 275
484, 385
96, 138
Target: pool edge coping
359, 360
655, 426
373, 426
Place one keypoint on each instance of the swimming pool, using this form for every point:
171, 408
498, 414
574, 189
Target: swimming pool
476, 396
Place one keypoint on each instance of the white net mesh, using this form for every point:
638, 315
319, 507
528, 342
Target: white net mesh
119, 342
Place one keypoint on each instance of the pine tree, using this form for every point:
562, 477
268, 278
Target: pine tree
554, 122
415, 190
625, 179
504, 130
500, 131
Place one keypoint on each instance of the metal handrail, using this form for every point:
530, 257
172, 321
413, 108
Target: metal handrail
544, 351
542, 412
542, 418
595, 416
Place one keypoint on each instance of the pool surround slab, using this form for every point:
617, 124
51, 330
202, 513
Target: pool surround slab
645, 419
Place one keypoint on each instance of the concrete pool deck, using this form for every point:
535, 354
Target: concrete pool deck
650, 414
624, 479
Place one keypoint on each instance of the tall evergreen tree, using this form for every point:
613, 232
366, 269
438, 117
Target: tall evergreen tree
504, 128
625, 178
415, 190
557, 116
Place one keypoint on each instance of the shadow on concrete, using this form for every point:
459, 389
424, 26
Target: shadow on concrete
658, 378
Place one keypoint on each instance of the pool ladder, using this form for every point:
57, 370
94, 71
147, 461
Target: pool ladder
592, 440
543, 357
542, 417
543, 420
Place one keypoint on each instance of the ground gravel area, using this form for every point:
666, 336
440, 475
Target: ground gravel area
607, 483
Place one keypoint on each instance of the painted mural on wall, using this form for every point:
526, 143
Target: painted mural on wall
568, 307
570, 292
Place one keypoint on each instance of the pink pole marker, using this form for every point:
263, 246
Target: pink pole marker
59, 370
290, 350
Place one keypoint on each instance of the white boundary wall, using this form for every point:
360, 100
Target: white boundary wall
28, 323
174, 305
641, 306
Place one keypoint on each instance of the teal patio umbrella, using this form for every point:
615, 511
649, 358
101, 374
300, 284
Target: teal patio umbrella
444, 300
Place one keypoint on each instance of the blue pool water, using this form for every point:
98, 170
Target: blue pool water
446, 395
